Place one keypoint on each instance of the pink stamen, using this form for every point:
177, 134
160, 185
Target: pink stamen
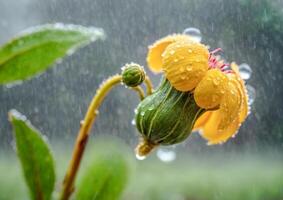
215, 51
215, 63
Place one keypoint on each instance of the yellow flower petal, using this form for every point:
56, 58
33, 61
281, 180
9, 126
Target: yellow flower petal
154, 56
209, 92
231, 103
211, 133
185, 63
201, 121
245, 107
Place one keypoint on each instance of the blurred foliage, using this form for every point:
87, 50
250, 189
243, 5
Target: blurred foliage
192, 177
106, 177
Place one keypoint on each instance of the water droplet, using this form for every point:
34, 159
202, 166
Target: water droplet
189, 68
139, 157
190, 51
150, 108
136, 111
13, 84
245, 71
176, 60
215, 82
251, 93
166, 154
194, 33
172, 52
133, 122
142, 113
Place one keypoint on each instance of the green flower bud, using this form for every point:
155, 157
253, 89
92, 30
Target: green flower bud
133, 74
166, 117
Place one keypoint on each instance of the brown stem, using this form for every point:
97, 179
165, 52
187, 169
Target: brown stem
81, 141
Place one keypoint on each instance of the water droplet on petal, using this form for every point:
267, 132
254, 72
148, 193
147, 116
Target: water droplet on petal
251, 93
166, 154
245, 71
194, 33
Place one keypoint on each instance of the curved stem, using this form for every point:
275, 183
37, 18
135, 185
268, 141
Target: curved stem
139, 91
149, 86
68, 184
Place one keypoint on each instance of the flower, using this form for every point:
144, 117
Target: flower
217, 87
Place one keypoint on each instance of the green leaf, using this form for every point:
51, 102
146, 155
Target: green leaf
35, 157
37, 48
106, 177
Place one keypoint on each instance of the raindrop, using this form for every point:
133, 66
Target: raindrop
142, 113
251, 93
189, 68
136, 111
166, 154
13, 84
151, 108
133, 122
245, 71
194, 33
139, 157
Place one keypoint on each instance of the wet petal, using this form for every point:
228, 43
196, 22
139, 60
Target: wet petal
201, 121
214, 136
245, 107
230, 107
185, 64
209, 92
154, 56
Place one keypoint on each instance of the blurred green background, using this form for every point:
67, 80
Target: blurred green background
247, 167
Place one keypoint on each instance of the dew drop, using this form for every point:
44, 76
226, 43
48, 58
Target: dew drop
150, 108
245, 71
215, 82
194, 33
172, 52
251, 93
166, 154
139, 157
13, 84
189, 68
133, 122
136, 111
142, 113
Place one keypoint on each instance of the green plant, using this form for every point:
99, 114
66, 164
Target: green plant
198, 91
30, 54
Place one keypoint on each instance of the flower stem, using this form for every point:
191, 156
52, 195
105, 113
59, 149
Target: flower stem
149, 86
82, 138
140, 91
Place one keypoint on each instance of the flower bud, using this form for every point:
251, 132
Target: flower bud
166, 117
133, 74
